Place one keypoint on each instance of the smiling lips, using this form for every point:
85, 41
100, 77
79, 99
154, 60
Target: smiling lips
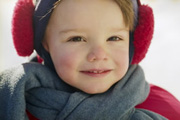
96, 73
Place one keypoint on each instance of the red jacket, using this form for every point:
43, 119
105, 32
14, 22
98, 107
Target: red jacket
162, 102
159, 101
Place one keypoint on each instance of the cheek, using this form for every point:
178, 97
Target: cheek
123, 57
65, 62
122, 62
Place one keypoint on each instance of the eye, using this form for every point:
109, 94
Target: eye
76, 39
114, 38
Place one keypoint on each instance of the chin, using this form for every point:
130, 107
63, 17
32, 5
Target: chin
96, 90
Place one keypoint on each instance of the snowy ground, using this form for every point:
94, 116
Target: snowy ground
162, 63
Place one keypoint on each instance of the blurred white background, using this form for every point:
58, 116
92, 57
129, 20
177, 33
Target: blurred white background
162, 63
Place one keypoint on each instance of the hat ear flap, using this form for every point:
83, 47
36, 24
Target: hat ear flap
143, 33
22, 27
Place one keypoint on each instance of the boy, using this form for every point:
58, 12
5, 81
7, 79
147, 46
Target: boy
87, 73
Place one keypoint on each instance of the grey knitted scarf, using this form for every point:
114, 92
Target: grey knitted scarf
35, 88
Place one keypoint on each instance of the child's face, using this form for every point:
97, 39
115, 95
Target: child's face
89, 43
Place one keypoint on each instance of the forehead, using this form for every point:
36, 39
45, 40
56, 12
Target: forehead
88, 13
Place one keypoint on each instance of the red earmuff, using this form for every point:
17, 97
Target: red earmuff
23, 35
143, 33
22, 27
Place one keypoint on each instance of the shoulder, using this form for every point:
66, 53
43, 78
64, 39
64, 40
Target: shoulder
20, 73
30, 66
162, 102
19, 70
142, 114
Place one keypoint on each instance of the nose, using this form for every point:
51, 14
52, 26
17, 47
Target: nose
97, 54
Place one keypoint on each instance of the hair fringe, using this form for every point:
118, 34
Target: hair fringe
126, 7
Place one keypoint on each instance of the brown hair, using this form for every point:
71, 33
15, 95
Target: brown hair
126, 7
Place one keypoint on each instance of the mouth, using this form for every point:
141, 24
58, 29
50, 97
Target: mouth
96, 73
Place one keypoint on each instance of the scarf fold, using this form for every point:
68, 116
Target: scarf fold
36, 88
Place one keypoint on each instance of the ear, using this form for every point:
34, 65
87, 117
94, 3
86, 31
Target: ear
22, 27
143, 33
45, 45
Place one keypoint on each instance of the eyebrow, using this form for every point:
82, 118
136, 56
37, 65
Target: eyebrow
117, 29
71, 30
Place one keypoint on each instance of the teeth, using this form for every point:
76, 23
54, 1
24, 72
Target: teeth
96, 71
